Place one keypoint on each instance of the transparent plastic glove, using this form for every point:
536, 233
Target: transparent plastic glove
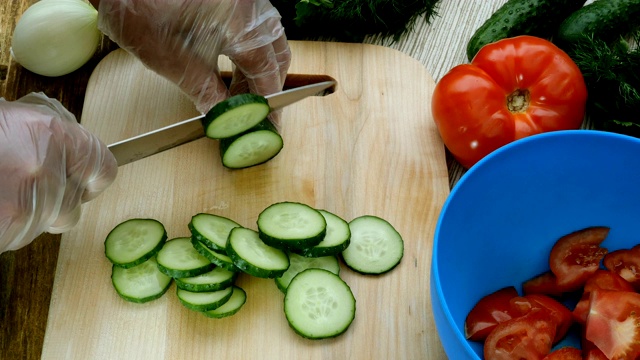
49, 165
182, 41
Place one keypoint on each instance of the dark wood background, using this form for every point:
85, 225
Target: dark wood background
26, 275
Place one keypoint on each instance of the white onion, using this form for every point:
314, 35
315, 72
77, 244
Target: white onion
56, 37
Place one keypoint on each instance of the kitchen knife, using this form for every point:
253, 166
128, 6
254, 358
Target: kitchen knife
168, 137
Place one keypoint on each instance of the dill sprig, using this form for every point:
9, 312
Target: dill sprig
612, 74
352, 20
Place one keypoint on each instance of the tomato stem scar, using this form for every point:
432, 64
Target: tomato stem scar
518, 101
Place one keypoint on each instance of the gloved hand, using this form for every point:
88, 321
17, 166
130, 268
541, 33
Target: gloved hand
182, 41
49, 165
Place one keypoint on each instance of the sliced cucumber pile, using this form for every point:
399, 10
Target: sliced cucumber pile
295, 244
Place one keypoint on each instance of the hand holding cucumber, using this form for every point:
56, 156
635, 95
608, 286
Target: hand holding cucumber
183, 40
49, 165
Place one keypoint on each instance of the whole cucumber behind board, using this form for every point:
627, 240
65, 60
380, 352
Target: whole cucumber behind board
522, 17
604, 19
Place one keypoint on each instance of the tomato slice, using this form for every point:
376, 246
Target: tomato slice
560, 314
600, 280
489, 312
613, 323
545, 283
590, 351
625, 262
526, 337
565, 353
576, 256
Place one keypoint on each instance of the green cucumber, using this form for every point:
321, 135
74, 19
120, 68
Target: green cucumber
217, 258
251, 255
217, 279
252, 147
211, 230
291, 225
603, 19
134, 241
539, 18
179, 259
235, 115
204, 301
336, 239
319, 304
300, 263
141, 283
376, 247
232, 306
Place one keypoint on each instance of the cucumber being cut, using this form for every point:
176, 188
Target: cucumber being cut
291, 225
232, 306
235, 115
376, 247
179, 259
217, 279
319, 304
336, 239
212, 230
204, 301
253, 256
252, 147
141, 283
134, 241
300, 263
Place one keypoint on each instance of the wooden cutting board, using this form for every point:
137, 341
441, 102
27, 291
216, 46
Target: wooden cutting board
369, 148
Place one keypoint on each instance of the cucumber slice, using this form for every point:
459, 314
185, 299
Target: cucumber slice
141, 283
232, 306
376, 247
253, 256
337, 238
291, 225
179, 259
204, 301
217, 279
215, 257
319, 304
134, 241
253, 147
235, 115
300, 263
211, 230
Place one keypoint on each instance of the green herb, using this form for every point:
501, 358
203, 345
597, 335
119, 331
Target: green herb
612, 74
351, 20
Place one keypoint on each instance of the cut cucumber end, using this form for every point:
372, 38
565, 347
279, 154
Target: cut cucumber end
253, 147
235, 115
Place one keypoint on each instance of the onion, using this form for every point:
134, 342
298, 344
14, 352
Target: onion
56, 37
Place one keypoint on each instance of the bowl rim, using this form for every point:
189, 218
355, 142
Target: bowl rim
498, 153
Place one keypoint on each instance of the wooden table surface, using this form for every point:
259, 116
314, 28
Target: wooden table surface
26, 275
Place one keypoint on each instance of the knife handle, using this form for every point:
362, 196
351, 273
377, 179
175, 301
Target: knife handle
292, 80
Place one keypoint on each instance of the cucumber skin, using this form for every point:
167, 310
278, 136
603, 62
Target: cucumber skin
604, 19
224, 144
539, 18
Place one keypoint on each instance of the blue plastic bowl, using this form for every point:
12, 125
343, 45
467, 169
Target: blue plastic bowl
500, 221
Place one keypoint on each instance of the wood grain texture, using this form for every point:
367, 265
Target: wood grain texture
369, 148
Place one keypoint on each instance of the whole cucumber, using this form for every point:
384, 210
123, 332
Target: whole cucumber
522, 17
604, 19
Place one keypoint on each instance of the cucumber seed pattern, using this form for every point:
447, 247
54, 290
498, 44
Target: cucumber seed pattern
319, 303
133, 240
371, 245
291, 220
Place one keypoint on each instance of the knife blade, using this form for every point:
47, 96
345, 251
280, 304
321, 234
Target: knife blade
168, 137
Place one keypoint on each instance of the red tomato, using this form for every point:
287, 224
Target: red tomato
613, 324
513, 88
526, 337
545, 283
565, 353
560, 314
590, 351
600, 280
576, 256
489, 312
626, 263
